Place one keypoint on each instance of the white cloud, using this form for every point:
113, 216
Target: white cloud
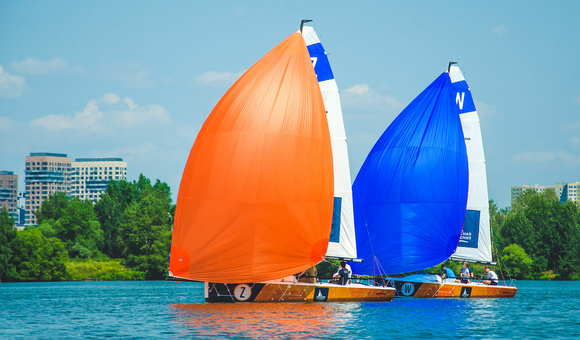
39, 67
361, 96
359, 89
499, 30
533, 157
213, 78
484, 110
114, 113
11, 86
86, 119
110, 98
136, 115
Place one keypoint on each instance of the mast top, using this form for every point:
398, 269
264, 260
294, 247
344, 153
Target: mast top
448, 67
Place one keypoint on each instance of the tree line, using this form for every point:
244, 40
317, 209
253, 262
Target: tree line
538, 237
131, 222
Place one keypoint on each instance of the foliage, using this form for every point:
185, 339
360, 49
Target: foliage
52, 208
327, 268
79, 225
132, 223
120, 195
7, 234
546, 230
109, 210
104, 270
46, 228
146, 235
516, 261
37, 258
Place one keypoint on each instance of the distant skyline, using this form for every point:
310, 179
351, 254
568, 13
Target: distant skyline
136, 79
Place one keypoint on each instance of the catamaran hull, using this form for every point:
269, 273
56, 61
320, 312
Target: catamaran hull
295, 292
452, 290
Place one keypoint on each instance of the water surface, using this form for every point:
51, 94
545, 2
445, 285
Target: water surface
159, 309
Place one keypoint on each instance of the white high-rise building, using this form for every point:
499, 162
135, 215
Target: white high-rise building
90, 176
564, 191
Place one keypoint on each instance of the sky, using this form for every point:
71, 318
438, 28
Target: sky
137, 79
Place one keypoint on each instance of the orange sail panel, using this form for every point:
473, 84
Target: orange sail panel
256, 196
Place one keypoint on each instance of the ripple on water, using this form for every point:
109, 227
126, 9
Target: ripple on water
162, 309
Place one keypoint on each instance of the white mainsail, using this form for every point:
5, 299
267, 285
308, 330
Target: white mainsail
475, 241
342, 239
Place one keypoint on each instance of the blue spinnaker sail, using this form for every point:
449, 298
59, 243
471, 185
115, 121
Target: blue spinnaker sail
410, 195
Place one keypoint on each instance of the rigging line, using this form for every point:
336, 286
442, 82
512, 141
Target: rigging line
367, 227
499, 264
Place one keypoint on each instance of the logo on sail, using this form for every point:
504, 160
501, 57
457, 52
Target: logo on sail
242, 292
314, 60
459, 99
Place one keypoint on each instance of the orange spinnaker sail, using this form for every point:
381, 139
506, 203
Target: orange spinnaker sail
255, 201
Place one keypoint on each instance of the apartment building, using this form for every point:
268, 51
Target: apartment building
45, 174
9, 193
90, 176
564, 191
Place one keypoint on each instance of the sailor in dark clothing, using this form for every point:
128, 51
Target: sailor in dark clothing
343, 274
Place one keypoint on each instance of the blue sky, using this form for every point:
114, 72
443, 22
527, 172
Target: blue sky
136, 79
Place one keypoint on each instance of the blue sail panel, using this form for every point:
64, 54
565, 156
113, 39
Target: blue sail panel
463, 97
410, 194
320, 62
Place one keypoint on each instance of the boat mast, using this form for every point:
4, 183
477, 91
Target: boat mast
449, 67
302, 23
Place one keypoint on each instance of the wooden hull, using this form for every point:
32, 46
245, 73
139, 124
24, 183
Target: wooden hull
451, 289
295, 292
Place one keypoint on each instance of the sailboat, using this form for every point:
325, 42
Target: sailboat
256, 200
421, 194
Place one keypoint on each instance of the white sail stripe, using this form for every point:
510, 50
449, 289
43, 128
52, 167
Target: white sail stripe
478, 198
455, 74
310, 36
342, 181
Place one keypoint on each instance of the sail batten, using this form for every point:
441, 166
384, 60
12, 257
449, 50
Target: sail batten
255, 200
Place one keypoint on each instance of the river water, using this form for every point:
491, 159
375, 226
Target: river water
160, 309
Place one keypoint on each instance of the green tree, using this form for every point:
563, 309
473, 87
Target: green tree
516, 261
79, 225
7, 234
52, 208
497, 217
109, 211
113, 203
146, 236
46, 228
37, 258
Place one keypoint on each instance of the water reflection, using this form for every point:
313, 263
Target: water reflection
261, 320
